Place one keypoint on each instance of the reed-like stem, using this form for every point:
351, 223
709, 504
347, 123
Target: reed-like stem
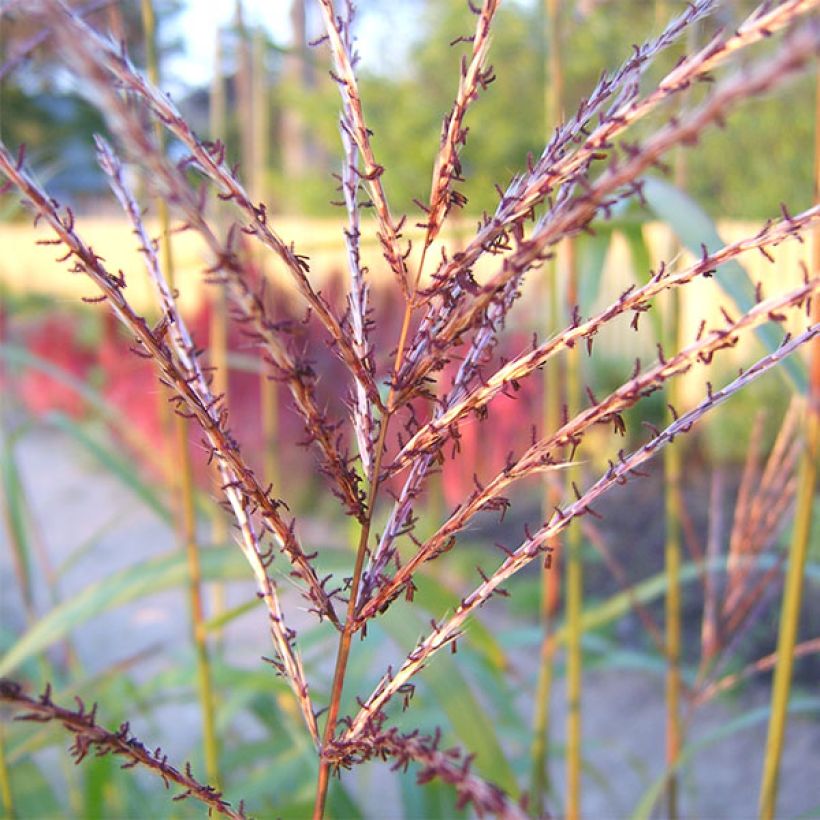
6, 797
798, 550
256, 169
574, 575
346, 637
186, 520
673, 515
553, 399
218, 347
789, 618
464, 312
673, 501
349, 629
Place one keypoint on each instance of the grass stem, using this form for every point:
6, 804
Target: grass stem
798, 550
673, 517
185, 489
574, 576
5, 781
552, 399
789, 619
218, 347
343, 652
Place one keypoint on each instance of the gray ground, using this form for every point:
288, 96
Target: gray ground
74, 500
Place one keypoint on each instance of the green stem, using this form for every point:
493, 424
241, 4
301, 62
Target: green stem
574, 609
187, 533
187, 511
673, 514
345, 639
218, 347
574, 579
672, 561
789, 620
550, 583
343, 652
5, 781
798, 550
254, 136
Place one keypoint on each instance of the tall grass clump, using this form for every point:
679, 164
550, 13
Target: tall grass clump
409, 403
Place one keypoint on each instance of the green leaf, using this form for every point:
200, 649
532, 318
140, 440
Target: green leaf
694, 229
603, 613
143, 579
468, 718
14, 511
119, 466
33, 795
216, 623
591, 257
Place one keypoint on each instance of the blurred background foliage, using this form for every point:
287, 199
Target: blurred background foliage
82, 393
407, 83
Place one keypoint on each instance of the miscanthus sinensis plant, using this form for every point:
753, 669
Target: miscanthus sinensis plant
451, 317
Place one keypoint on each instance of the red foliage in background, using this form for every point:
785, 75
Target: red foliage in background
54, 339
129, 383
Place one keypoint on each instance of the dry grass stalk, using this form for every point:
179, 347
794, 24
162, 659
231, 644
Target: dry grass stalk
455, 308
181, 372
360, 324
447, 171
98, 53
296, 373
711, 690
765, 499
339, 38
636, 300
559, 165
90, 737
450, 630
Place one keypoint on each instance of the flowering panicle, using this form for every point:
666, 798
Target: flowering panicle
452, 320
91, 738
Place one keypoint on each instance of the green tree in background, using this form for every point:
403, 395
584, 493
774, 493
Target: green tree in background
55, 123
406, 102
407, 97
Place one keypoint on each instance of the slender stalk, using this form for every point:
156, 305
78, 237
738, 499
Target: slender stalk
673, 515
253, 139
343, 652
244, 94
574, 603
218, 348
673, 501
5, 782
798, 550
349, 629
259, 122
550, 583
187, 511
789, 618
574, 583
346, 637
